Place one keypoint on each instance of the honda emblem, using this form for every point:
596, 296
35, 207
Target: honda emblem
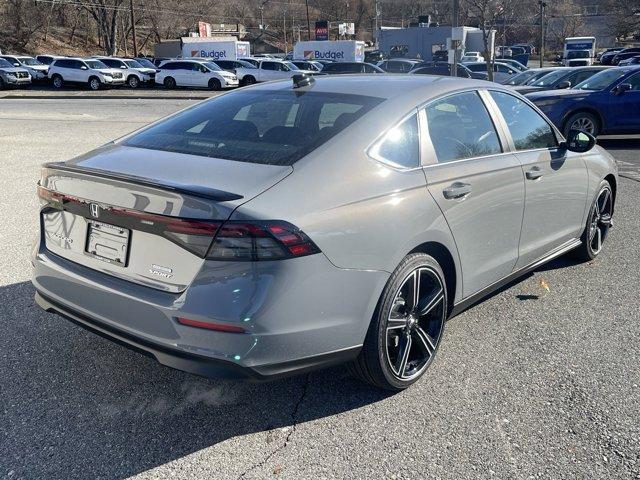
95, 210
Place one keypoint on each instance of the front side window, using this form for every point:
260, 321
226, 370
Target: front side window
528, 129
260, 126
400, 146
460, 127
634, 81
601, 80
269, 66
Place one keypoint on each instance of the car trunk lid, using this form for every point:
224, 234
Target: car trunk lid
142, 215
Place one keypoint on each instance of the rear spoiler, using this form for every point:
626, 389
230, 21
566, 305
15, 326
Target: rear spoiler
193, 190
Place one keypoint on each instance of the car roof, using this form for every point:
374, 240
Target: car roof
385, 85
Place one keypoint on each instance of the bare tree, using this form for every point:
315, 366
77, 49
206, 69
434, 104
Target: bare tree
624, 18
486, 14
565, 21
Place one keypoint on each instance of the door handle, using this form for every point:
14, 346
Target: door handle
534, 173
456, 190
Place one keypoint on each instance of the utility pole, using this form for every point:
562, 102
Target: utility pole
543, 5
377, 6
133, 29
306, 2
284, 29
454, 43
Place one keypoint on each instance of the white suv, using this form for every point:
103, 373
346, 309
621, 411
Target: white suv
88, 71
134, 73
194, 73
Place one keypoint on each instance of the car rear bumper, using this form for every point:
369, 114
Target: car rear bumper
298, 314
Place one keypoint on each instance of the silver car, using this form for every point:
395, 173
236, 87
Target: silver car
293, 225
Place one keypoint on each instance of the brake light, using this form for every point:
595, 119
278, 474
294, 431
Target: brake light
255, 241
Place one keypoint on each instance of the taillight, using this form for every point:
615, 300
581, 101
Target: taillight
255, 241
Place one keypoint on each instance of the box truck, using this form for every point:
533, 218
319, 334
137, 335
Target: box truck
214, 49
579, 51
339, 50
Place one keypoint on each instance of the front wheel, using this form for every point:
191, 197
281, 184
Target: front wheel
598, 224
584, 121
57, 81
406, 328
2, 84
133, 81
94, 84
248, 80
214, 84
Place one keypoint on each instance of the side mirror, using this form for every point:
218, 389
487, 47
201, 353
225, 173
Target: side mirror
83, 67
16, 64
124, 67
564, 84
623, 87
579, 141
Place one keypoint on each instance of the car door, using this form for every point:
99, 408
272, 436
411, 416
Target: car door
626, 106
478, 185
269, 70
76, 73
555, 180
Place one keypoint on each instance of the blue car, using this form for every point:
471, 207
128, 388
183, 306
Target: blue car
606, 103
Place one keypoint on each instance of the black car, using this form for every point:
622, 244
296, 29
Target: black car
373, 56
560, 79
399, 65
307, 65
624, 54
607, 56
440, 56
444, 69
350, 67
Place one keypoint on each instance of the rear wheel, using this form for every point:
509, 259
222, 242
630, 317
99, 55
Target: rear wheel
214, 84
584, 121
94, 83
169, 83
133, 81
598, 224
248, 80
57, 81
406, 329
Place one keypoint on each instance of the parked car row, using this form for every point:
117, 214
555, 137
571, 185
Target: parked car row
607, 102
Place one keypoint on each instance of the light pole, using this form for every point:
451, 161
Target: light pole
133, 29
454, 43
306, 2
543, 5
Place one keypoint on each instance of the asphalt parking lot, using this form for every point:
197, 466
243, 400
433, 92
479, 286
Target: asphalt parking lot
530, 383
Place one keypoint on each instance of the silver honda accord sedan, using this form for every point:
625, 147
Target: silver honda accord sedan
293, 225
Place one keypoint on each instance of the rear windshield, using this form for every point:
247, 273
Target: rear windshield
272, 127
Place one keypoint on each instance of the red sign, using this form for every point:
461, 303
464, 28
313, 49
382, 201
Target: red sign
322, 30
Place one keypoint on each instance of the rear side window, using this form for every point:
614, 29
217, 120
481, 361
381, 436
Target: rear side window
460, 127
273, 127
528, 129
401, 145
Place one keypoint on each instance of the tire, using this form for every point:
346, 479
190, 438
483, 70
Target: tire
599, 222
214, 84
248, 80
584, 121
396, 327
133, 81
57, 81
169, 83
2, 84
94, 84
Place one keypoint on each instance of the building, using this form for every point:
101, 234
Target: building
423, 41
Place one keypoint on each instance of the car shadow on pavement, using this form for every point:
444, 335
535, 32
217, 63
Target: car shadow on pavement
78, 406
